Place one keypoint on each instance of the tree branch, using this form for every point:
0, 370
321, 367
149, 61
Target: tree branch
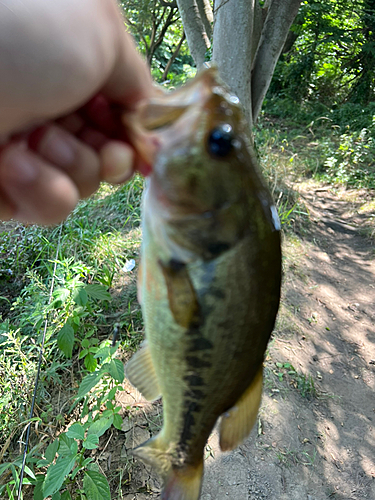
280, 16
205, 11
173, 57
194, 29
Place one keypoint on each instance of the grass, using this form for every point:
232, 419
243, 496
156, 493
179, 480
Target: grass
93, 246
94, 294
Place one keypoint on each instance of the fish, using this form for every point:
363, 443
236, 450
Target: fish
209, 278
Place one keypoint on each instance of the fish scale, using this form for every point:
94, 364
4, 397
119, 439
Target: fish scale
210, 281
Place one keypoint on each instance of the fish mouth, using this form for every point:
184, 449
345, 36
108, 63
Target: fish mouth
159, 119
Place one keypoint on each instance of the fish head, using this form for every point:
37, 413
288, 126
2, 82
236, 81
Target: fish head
205, 191
204, 147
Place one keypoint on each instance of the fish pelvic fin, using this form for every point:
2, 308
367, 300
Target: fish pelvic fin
141, 373
237, 422
180, 482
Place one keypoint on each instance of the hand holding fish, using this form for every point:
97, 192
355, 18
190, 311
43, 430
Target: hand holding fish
68, 71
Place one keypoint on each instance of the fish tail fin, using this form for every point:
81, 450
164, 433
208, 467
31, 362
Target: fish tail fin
180, 483
183, 483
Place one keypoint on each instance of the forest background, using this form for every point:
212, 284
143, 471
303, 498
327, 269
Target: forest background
317, 120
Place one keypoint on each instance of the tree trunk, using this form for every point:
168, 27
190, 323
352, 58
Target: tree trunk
173, 57
280, 16
206, 14
195, 33
233, 29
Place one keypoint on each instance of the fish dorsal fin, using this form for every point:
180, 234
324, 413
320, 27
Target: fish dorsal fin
180, 483
141, 373
237, 422
183, 301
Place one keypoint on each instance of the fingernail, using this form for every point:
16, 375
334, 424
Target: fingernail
57, 147
116, 162
18, 167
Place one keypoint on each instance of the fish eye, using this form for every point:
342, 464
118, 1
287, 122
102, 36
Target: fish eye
220, 141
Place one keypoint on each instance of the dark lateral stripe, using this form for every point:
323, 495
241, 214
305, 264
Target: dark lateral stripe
195, 362
194, 380
200, 344
190, 407
218, 247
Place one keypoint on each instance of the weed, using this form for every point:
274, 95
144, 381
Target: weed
303, 383
96, 241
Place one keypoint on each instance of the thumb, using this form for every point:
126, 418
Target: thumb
130, 80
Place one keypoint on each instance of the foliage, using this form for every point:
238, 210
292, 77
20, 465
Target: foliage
95, 243
157, 29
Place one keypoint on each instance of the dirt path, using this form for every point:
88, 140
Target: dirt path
315, 438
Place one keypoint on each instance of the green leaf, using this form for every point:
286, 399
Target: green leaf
100, 426
117, 421
65, 444
83, 353
56, 496
56, 474
80, 296
29, 472
97, 291
38, 490
96, 486
76, 431
91, 442
4, 467
51, 451
66, 495
85, 343
65, 340
88, 383
112, 393
60, 295
90, 362
116, 370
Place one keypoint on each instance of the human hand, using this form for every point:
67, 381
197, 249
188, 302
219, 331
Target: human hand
69, 71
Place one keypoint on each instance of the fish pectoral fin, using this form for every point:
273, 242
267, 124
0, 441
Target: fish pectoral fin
180, 483
141, 373
237, 422
183, 301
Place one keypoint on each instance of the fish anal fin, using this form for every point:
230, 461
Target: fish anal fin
141, 373
182, 298
180, 483
237, 422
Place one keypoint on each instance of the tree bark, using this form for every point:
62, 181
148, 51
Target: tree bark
233, 29
280, 16
195, 33
205, 11
173, 57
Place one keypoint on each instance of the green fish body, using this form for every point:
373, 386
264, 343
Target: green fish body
209, 283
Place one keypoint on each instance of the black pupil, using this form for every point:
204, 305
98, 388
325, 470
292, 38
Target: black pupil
220, 141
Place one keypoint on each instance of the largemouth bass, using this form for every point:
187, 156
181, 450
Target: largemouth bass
209, 282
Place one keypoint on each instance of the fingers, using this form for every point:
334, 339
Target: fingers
73, 157
36, 191
117, 162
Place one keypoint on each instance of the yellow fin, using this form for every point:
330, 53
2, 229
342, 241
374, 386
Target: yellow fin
141, 373
182, 298
180, 483
184, 483
237, 422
